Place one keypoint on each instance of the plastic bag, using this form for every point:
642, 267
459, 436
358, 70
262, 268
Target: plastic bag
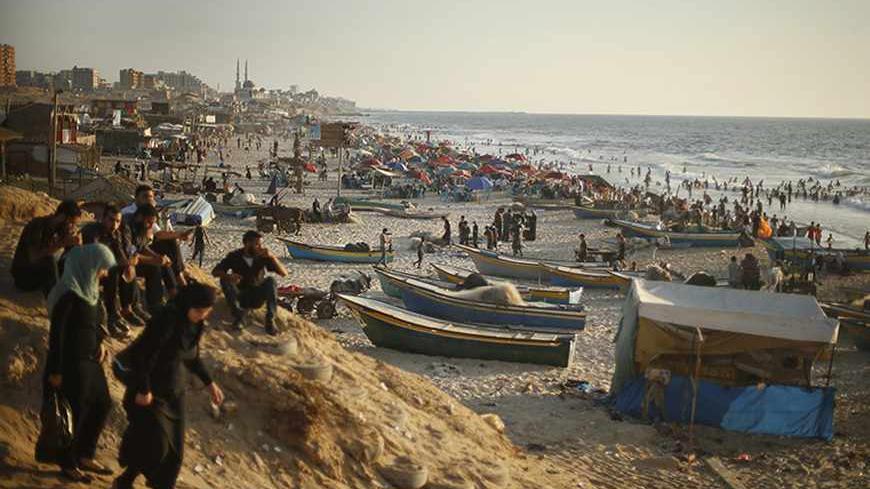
56, 433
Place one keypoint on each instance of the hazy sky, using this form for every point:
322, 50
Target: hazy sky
705, 57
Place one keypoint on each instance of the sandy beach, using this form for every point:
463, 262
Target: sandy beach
538, 404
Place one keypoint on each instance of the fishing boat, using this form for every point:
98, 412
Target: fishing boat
240, 211
491, 263
389, 288
586, 212
363, 205
711, 238
414, 214
803, 251
578, 277
435, 301
392, 327
854, 323
554, 295
302, 251
546, 204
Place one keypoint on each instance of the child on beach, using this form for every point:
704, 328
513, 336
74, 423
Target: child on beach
419, 261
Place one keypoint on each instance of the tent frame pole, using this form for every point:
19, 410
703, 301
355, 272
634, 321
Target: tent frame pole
831, 365
695, 375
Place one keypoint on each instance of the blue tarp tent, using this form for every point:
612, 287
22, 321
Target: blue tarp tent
479, 183
753, 347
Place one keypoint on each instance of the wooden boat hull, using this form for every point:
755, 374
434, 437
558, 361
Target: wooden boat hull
856, 260
546, 204
433, 302
420, 215
240, 211
721, 239
575, 277
490, 263
553, 295
582, 212
301, 251
390, 327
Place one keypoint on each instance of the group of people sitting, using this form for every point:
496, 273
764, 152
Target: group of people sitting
89, 278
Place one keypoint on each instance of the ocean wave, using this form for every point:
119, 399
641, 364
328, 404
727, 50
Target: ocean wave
856, 203
833, 171
722, 160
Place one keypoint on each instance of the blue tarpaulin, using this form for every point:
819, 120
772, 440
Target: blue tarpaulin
773, 410
479, 183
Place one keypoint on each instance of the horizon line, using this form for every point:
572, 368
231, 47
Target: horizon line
616, 114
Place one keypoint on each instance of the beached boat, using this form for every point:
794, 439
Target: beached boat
364, 205
712, 238
414, 214
491, 263
554, 295
547, 204
854, 323
578, 277
392, 327
390, 289
240, 211
802, 251
435, 301
302, 251
586, 212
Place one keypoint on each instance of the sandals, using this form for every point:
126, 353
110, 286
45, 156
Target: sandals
94, 467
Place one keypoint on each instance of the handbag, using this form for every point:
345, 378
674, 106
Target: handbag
56, 432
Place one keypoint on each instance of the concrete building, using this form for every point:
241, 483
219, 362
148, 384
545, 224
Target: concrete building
132, 79
35, 79
181, 80
85, 79
7, 66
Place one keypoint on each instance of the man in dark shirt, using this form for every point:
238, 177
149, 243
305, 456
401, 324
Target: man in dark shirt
151, 266
34, 266
583, 251
119, 282
243, 280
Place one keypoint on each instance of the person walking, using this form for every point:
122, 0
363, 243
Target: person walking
243, 281
583, 250
200, 239
734, 273
475, 234
386, 244
75, 353
445, 238
420, 252
160, 359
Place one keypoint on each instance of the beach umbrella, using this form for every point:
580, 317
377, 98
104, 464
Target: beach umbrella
447, 170
416, 159
468, 166
515, 156
479, 183
371, 162
397, 165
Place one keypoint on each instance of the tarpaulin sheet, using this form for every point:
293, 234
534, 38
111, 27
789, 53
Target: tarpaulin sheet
773, 410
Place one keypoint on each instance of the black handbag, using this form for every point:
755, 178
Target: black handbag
56, 432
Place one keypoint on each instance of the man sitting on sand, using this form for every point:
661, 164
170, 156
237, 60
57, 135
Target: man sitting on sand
34, 266
243, 280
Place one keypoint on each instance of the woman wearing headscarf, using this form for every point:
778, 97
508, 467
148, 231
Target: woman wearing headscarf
75, 353
153, 444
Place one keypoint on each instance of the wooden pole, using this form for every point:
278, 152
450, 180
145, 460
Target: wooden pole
340, 151
3, 160
52, 163
695, 375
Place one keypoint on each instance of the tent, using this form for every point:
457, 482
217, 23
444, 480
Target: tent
479, 183
743, 356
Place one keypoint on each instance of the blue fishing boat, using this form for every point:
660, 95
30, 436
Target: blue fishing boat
606, 279
722, 239
392, 327
302, 251
801, 250
461, 306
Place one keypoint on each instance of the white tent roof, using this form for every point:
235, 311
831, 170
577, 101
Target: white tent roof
785, 316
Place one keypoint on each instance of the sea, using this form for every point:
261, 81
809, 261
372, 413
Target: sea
768, 149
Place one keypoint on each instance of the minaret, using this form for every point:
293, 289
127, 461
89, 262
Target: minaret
246, 71
238, 83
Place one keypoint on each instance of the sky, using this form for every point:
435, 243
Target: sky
797, 58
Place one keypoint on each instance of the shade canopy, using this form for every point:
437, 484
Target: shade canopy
784, 316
